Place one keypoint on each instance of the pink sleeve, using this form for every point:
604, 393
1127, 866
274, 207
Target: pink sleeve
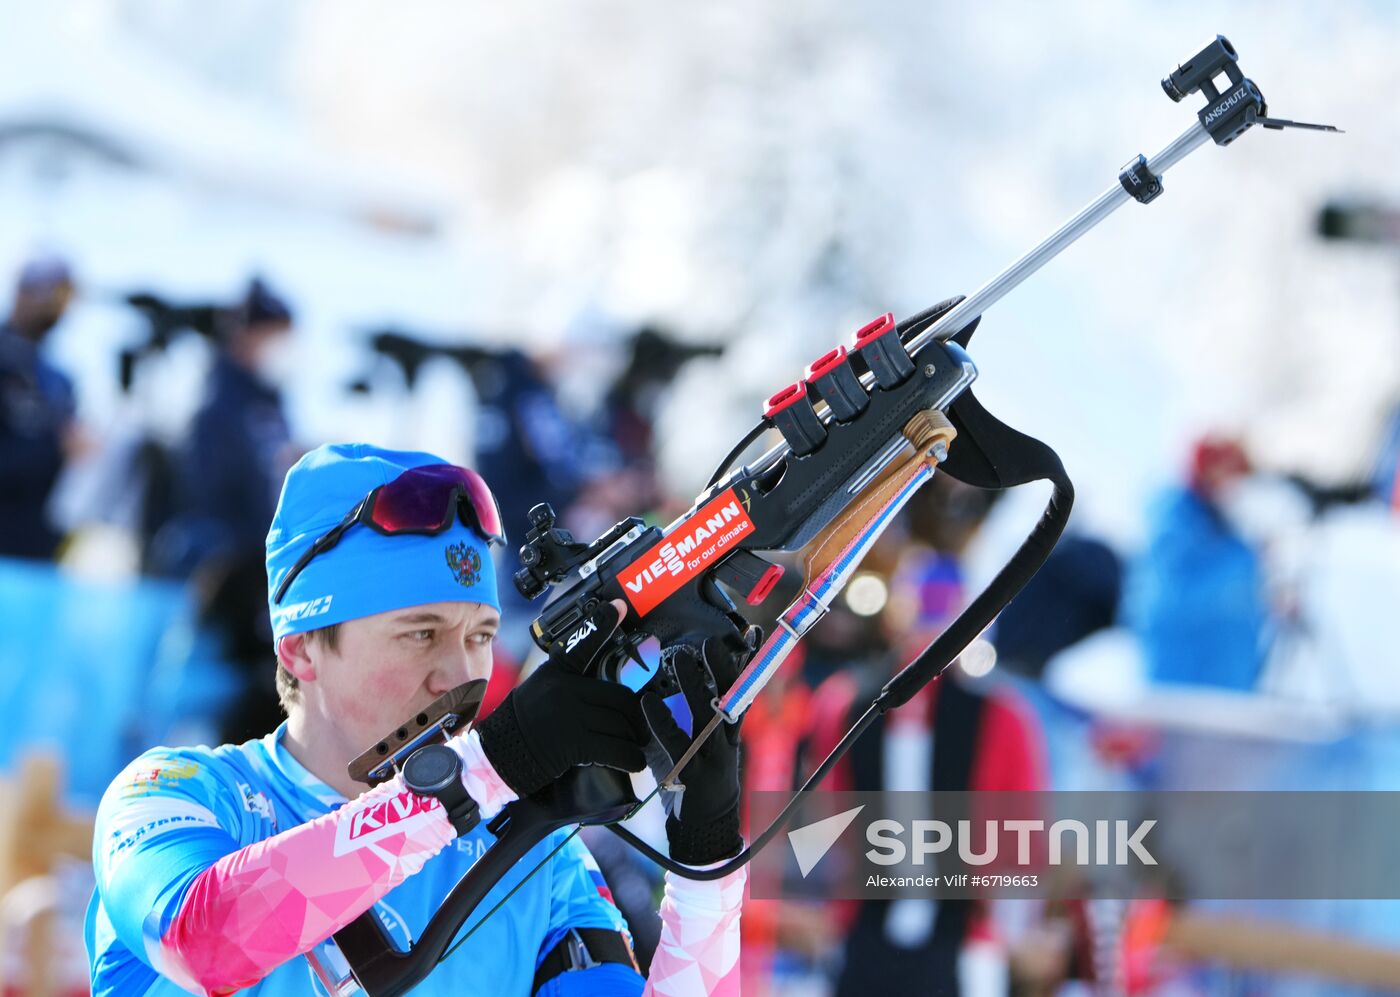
483, 784
260, 906
699, 948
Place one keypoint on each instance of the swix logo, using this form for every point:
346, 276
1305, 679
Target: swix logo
579, 634
1225, 105
398, 814
303, 610
693, 546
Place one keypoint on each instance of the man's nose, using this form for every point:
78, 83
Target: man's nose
450, 671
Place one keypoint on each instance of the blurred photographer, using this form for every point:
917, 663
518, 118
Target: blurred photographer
37, 429
232, 461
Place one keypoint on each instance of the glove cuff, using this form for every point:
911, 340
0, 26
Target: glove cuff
705, 842
504, 744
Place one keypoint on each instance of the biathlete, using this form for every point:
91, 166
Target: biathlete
218, 867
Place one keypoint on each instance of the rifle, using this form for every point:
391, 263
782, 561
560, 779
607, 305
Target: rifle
862, 430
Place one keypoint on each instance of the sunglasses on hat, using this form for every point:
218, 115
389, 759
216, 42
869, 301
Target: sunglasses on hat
423, 501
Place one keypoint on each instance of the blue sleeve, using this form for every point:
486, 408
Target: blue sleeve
580, 898
608, 980
162, 822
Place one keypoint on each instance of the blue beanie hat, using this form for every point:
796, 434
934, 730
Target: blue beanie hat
366, 572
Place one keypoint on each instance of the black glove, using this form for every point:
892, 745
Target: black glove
558, 718
706, 827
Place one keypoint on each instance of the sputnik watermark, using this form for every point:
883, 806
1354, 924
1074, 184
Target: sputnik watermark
917, 842
1176, 845
1113, 841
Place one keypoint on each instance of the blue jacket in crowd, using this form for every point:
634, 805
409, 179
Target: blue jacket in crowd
36, 405
228, 472
1196, 597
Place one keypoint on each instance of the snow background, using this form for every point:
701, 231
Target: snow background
766, 174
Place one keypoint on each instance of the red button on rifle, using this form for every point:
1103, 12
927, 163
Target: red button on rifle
882, 351
790, 395
874, 329
792, 412
836, 382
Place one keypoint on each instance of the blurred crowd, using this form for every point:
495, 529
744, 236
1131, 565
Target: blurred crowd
1218, 599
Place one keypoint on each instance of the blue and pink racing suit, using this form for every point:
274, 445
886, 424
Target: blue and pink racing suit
217, 868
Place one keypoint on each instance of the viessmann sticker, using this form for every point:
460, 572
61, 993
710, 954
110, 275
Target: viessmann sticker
692, 547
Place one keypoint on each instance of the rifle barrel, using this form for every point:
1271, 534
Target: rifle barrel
999, 286
1100, 208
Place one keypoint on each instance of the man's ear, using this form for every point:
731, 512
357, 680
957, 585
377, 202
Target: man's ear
294, 655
